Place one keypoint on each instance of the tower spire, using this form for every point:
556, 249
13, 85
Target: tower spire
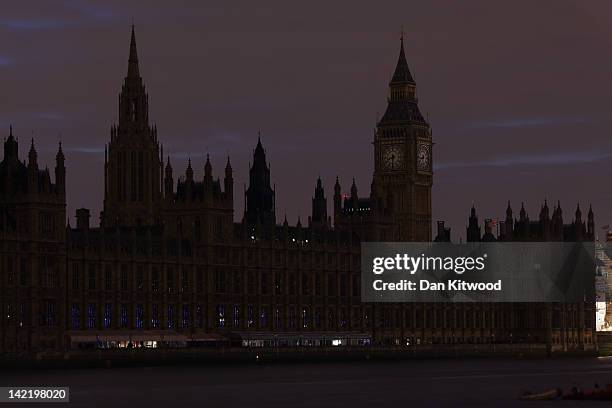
32, 156
260, 195
133, 71
208, 169
402, 72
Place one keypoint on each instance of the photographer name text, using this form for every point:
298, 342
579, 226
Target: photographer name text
425, 285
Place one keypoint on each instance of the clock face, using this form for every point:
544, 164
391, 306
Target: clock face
393, 157
424, 157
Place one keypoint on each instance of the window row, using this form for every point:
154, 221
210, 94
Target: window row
253, 282
124, 316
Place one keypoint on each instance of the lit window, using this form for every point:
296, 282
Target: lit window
91, 316
277, 318
220, 316
250, 318
236, 316
76, 316
124, 316
170, 316
50, 314
263, 317
185, 320
107, 315
154, 316
139, 316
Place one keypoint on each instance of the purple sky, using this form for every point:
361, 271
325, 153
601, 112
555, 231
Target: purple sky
518, 94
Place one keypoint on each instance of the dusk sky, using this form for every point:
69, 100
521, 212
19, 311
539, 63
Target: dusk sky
517, 93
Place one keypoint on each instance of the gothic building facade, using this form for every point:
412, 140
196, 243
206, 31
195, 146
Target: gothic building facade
563, 326
168, 265
33, 250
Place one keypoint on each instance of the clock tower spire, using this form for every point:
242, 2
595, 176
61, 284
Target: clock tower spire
403, 160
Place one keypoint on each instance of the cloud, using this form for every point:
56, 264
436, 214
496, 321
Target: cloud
85, 149
33, 24
529, 122
5, 61
533, 160
50, 116
90, 10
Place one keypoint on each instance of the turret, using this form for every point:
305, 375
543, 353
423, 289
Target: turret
545, 221
319, 205
208, 170
591, 223
208, 181
168, 181
60, 170
189, 172
354, 195
32, 169
578, 224
188, 181
509, 223
11, 147
229, 181
544, 212
260, 195
299, 233
522, 230
557, 222
473, 229
578, 214
32, 157
560, 211
337, 198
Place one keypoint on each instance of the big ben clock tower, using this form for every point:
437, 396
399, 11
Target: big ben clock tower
401, 187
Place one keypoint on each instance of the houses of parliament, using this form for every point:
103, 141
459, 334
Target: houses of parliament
168, 266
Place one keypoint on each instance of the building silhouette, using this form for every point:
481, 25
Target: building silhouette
169, 266
562, 326
33, 258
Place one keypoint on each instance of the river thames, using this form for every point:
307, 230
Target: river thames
406, 383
